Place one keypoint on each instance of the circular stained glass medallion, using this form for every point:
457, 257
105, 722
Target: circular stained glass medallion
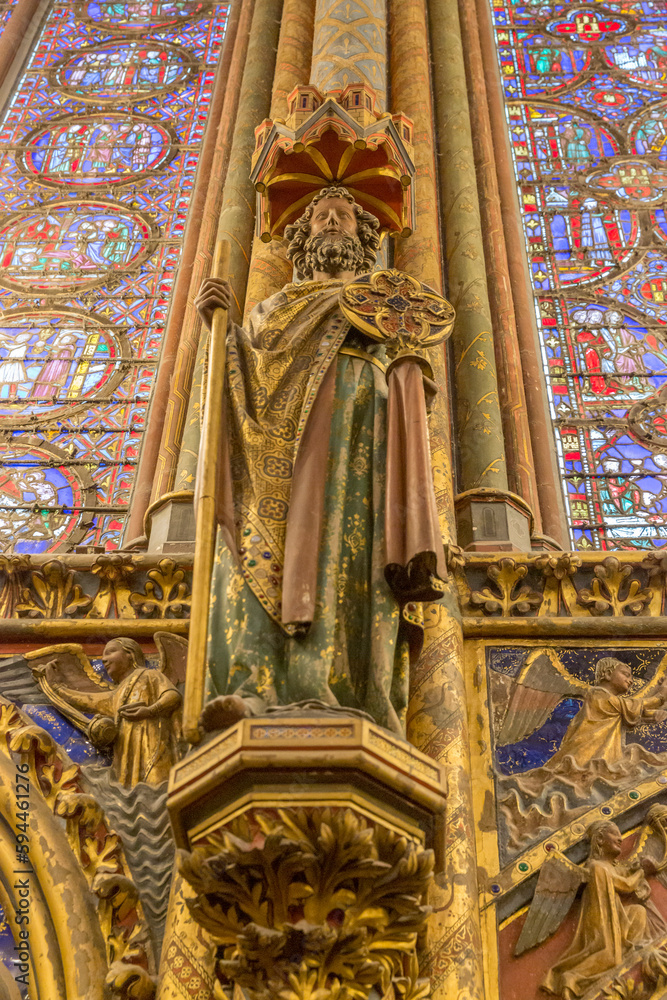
71, 244
139, 15
96, 150
589, 25
548, 66
41, 494
643, 58
122, 71
630, 179
53, 361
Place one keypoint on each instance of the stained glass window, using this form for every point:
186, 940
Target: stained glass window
98, 157
586, 104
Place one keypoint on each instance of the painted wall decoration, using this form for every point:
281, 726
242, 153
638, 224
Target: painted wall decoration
571, 805
99, 146
595, 928
585, 88
571, 727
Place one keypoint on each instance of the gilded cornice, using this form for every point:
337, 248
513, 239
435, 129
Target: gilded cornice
561, 592
87, 595
498, 594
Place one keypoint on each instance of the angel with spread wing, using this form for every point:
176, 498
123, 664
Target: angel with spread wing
594, 743
617, 914
139, 713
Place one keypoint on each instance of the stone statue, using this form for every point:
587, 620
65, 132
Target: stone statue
328, 527
617, 913
139, 715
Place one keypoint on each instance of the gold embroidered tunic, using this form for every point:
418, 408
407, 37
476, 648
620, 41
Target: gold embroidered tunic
301, 606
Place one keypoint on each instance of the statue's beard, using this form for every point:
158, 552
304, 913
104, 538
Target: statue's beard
332, 252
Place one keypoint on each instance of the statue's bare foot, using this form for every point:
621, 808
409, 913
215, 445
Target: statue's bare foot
223, 712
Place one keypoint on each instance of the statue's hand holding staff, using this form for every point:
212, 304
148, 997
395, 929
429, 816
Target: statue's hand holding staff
212, 303
215, 293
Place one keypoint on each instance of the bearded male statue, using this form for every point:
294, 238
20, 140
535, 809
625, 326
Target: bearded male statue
307, 600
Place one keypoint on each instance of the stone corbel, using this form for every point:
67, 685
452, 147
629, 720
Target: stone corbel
309, 849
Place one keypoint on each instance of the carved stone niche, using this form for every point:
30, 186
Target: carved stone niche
309, 843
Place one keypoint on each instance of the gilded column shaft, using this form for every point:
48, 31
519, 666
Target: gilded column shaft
437, 721
516, 429
478, 420
294, 57
548, 481
165, 422
419, 254
269, 268
237, 216
350, 45
170, 397
232, 211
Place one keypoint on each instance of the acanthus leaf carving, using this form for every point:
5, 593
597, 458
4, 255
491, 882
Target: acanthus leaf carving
614, 590
510, 598
53, 593
166, 594
311, 905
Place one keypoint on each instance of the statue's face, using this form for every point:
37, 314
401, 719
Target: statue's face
333, 215
612, 840
117, 661
621, 679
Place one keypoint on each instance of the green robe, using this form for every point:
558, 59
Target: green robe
355, 650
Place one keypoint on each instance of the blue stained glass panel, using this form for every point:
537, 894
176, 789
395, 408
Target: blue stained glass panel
99, 146
586, 106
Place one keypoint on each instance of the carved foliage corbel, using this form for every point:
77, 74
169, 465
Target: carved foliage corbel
312, 904
114, 571
166, 594
560, 593
13, 573
113, 587
655, 565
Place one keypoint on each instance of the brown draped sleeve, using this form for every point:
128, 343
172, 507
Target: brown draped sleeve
415, 559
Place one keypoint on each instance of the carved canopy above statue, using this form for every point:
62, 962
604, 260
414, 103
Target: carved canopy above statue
337, 139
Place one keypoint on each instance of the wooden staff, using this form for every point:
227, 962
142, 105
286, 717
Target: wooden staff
195, 677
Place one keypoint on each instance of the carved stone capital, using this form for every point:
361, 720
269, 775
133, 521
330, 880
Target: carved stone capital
308, 849
311, 903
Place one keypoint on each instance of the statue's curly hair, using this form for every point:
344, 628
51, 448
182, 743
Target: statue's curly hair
298, 233
605, 667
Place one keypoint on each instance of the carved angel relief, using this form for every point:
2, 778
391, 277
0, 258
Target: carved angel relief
593, 759
618, 916
138, 715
